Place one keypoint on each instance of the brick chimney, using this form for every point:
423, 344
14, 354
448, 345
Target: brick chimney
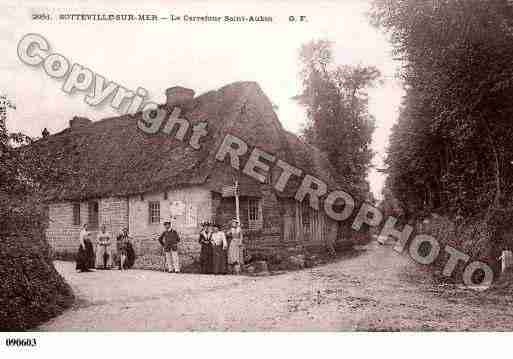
177, 96
78, 122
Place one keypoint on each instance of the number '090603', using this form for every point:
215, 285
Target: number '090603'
21, 342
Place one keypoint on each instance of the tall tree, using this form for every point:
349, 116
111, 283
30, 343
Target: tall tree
23, 178
336, 100
451, 148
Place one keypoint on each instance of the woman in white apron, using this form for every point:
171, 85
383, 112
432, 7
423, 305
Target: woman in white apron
103, 250
235, 250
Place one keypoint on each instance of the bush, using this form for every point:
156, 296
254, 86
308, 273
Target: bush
33, 292
475, 237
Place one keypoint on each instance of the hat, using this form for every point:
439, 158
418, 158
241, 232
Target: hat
167, 223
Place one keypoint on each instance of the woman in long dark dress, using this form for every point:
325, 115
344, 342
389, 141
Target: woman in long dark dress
206, 249
219, 247
130, 255
85, 255
125, 250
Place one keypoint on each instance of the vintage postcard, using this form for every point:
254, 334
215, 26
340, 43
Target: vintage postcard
275, 166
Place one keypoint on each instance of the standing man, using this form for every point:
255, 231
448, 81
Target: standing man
169, 241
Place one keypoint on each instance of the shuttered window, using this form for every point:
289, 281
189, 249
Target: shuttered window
305, 216
255, 219
94, 215
76, 214
154, 212
191, 215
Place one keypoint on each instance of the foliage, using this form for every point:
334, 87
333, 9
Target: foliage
24, 175
336, 100
451, 147
33, 290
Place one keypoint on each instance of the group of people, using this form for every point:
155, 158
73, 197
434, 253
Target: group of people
221, 252
104, 257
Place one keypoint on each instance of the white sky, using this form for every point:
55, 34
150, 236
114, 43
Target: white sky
199, 56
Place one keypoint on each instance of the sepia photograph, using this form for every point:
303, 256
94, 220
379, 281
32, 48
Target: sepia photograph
277, 167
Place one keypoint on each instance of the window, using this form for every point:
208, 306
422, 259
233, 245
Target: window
269, 178
305, 216
154, 212
191, 215
76, 214
93, 215
254, 214
253, 210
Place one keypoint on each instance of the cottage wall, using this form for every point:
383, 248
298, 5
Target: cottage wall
285, 231
281, 229
63, 235
197, 202
114, 214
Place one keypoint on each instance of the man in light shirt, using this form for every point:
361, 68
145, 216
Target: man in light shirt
169, 241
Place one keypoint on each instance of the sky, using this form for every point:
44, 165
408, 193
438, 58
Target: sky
201, 56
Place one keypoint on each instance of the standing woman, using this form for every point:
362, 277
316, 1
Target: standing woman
122, 246
206, 249
219, 246
85, 254
235, 251
103, 252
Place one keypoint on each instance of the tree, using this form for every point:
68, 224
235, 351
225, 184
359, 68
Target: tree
451, 148
336, 101
23, 179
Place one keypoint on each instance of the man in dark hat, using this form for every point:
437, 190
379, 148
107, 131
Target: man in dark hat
169, 241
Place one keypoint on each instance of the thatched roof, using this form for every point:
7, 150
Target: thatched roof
112, 157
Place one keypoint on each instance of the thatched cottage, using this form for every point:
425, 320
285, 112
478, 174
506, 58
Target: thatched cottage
121, 176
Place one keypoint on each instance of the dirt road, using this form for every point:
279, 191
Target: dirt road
376, 289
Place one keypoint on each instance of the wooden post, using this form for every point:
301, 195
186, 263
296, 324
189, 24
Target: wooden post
237, 215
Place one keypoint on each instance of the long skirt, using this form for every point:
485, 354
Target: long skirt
219, 264
235, 252
130, 256
206, 258
129, 252
85, 256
